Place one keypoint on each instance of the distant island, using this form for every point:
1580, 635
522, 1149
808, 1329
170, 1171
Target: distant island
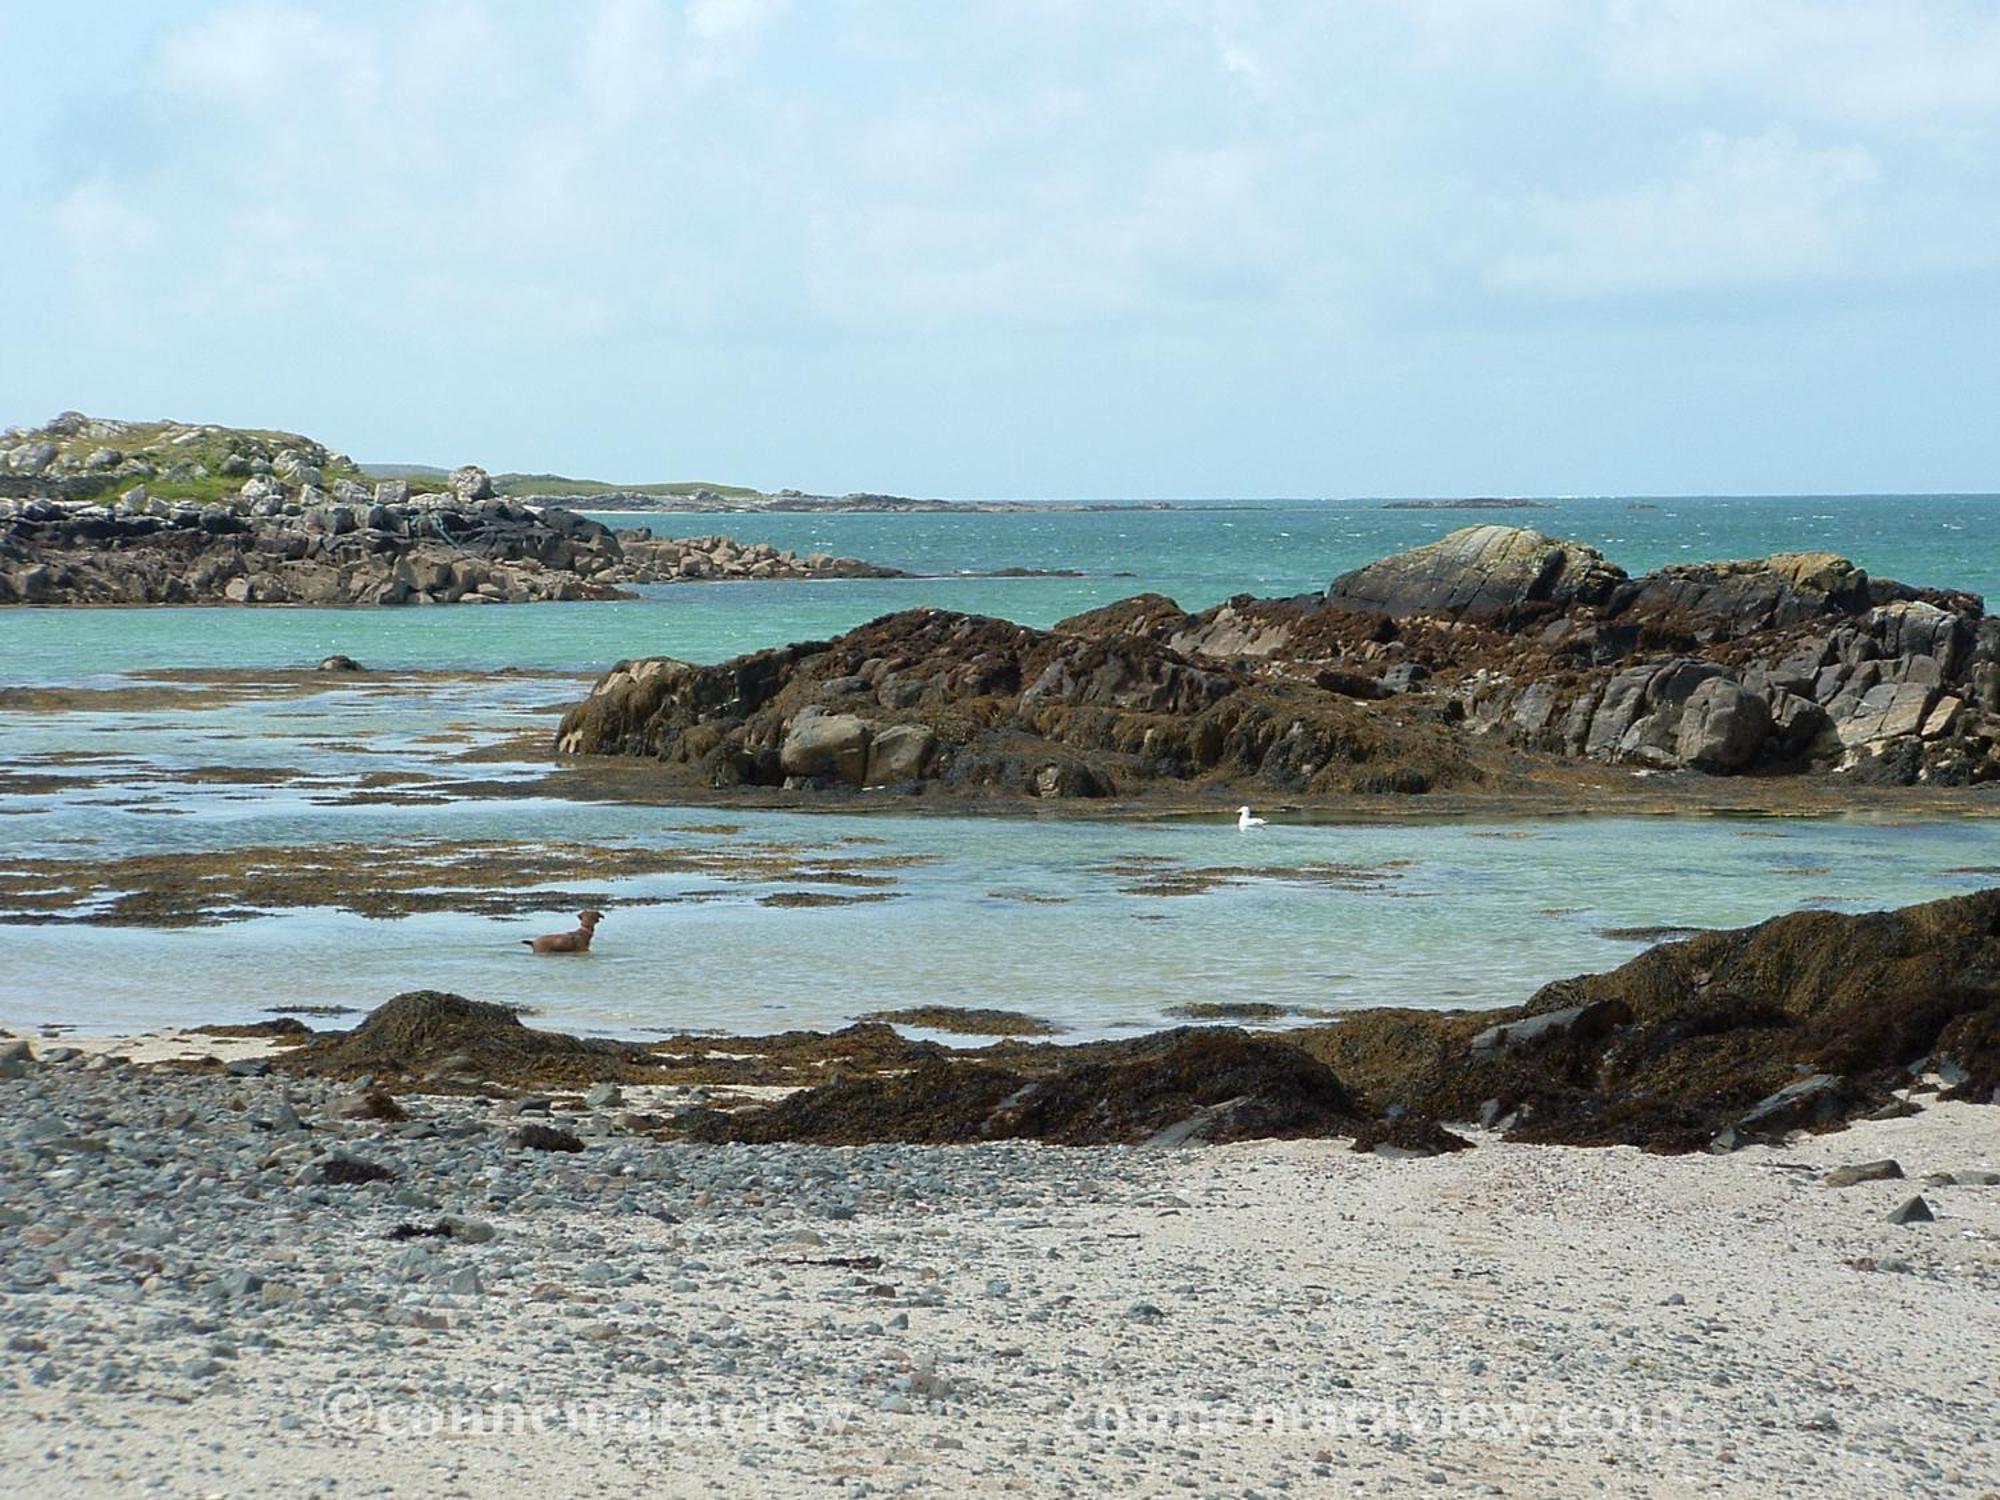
699, 497
1483, 503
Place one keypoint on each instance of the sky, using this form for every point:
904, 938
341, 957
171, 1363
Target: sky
1055, 248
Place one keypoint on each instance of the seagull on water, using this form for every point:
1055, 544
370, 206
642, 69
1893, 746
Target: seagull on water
1244, 822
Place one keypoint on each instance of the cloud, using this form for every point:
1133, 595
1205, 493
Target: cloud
1739, 212
1881, 61
641, 190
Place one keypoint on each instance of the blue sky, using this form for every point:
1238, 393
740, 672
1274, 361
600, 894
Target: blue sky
1031, 247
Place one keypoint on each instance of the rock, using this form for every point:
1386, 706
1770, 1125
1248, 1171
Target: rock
604, 1096
1912, 1211
546, 1138
1584, 1022
1009, 710
1812, 1100
1481, 573
1721, 1025
233, 1286
351, 1171
1867, 1171
471, 483
1886, 711
900, 752
370, 1105
1895, 1109
1942, 718
1965, 1177
1722, 727
834, 745
339, 663
430, 1032
469, 1231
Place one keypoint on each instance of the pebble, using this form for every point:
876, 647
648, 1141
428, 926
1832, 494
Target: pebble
1867, 1171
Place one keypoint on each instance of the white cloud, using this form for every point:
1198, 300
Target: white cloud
1871, 60
667, 165
1739, 212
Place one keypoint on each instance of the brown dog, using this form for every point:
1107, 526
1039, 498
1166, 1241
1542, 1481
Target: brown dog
569, 942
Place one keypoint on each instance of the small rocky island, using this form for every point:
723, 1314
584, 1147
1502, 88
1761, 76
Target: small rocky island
103, 512
1413, 674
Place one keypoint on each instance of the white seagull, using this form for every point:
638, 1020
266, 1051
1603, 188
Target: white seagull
1244, 822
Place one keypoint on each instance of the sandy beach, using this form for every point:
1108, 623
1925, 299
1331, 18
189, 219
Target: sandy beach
198, 1303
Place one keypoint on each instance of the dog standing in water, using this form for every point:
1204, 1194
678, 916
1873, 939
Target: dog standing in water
569, 942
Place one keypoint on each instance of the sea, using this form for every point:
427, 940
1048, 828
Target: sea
1033, 913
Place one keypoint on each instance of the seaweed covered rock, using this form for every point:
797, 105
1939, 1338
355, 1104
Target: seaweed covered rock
445, 1037
1214, 1084
933, 698
1798, 1022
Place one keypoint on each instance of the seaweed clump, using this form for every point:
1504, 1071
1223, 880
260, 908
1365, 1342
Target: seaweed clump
447, 1039
1215, 1084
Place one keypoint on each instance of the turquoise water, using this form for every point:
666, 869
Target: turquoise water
1440, 915
1199, 557
1017, 913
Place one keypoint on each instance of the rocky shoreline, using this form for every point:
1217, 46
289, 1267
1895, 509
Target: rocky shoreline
357, 546
1423, 672
94, 511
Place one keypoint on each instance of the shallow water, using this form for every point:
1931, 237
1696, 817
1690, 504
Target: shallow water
1050, 917
1018, 913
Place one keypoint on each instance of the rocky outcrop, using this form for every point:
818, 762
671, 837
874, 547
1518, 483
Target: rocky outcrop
75, 457
273, 544
1793, 663
931, 698
694, 559
267, 546
94, 511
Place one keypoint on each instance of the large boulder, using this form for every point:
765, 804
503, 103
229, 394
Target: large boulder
832, 745
470, 483
901, 752
1722, 727
1498, 574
